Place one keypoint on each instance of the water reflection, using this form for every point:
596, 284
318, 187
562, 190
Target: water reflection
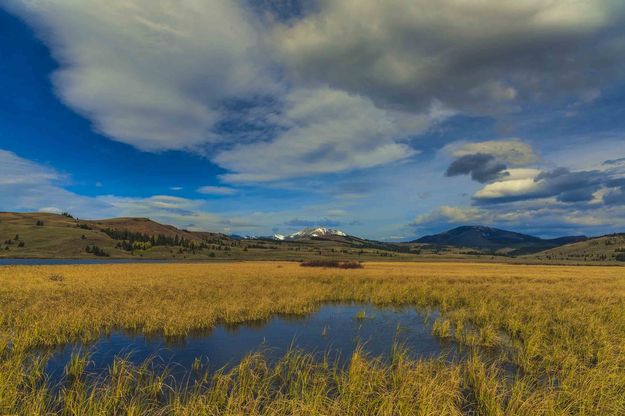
333, 331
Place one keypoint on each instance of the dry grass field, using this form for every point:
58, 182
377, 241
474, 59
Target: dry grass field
561, 329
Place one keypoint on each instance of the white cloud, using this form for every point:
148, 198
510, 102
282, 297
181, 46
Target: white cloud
18, 171
327, 131
537, 217
453, 215
51, 210
477, 56
348, 83
519, 182
160, 75
29, 186
216, 190
152, 74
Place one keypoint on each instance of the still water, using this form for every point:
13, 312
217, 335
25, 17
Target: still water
45, 262
334, 330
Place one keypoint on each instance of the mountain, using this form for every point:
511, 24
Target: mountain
313, 232
494, 239
43, 235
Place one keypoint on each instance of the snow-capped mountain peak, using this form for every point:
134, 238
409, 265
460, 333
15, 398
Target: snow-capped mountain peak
317, 232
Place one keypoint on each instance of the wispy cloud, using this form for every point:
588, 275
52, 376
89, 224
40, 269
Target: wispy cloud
18, 171
216, 190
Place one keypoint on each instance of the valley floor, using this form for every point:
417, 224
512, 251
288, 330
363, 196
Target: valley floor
553, 337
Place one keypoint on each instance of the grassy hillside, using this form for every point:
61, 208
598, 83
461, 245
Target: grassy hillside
49, 235
609, 248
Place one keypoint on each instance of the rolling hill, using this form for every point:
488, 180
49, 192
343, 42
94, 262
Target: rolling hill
52, 235
606, 248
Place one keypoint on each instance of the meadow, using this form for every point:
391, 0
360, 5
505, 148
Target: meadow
541, 340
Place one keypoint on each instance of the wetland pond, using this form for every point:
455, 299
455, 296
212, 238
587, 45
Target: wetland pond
334, 330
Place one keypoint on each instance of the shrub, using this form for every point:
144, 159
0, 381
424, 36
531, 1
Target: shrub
340, 264
96, 251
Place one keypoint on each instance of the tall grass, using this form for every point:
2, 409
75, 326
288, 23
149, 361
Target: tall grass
556, 334
296, 384
339, 264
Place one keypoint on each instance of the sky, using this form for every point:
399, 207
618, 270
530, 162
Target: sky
387, 120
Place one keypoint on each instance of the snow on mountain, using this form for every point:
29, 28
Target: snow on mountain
316, 232
278, 237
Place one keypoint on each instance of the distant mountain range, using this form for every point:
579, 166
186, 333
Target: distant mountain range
487, 238
43, 235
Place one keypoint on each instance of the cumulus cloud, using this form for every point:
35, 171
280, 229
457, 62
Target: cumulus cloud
481, 166
454, 215
475, 56
509, 151
153, 74
169, 75
570, 186
327, 131
329, 86
488, 161
612, 162
561, 183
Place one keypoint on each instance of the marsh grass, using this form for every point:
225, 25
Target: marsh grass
560, 328
329, 263
296, 384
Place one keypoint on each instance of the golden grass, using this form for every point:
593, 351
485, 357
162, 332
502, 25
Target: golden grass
563, 327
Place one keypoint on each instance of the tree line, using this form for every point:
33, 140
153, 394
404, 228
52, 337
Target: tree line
130, 240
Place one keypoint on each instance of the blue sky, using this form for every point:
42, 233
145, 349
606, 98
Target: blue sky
223, 116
